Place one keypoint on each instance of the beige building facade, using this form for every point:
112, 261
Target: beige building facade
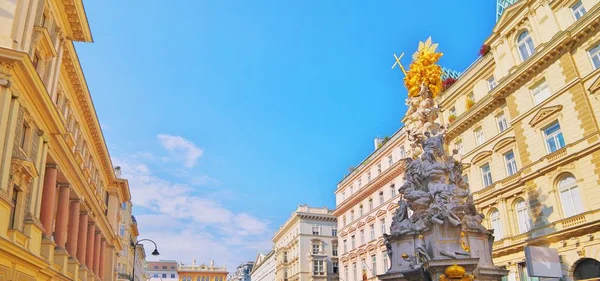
365, 203
59, 195
526, 125
306, 246
264, 267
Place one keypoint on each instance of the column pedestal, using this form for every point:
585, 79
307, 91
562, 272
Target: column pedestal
61, 260
83, 272
73, 268
47, 249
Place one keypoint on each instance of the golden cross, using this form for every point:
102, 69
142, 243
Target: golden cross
399, 63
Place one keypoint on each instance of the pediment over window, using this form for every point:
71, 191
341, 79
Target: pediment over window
595, 88
360, 224
481, 156
509, 14
380, 213
371, 248
352, 229
352, 256
503, 143
361, 252
22, 171
392, 206
370, 219
343, 233
545, 113
466, 166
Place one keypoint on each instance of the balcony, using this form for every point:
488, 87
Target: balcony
124, 276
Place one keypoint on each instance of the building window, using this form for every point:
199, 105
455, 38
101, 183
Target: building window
479, 137
316, 248
344, 220
352, 215
540, 92
124, 206
352, 241
554, 137
491, 83
26, 131
334, 249
459, 147
511, 164
156, 267
345, 246
402, 152
471, 96
334, 231
346, 273
393, 190
351, 189
382, 222
354, 269
164, 275
318, 267
362, 236
495, 220
486, 174
335, 266
569, 196
595, 56
381, 198
385, 262
452, 111
372, 231
15, 208
390, 160
360, 211
378, 169
374, 265
316, 230
578, 10
525, 45
502, 123
359, 183
523, 216
370, 204
368, 176
172, 275
122, 230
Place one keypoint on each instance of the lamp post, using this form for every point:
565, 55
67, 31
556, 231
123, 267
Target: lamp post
154, 253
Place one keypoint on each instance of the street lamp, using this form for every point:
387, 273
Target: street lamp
154, 253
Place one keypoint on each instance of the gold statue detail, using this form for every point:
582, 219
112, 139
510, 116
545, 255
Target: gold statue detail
423, 70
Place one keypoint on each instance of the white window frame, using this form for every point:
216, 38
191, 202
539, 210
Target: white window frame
372, 231
540, 92
316, 248
479, 136
334, 231
486, 176
511, 164
554, 137
528, 43
393, 191
362, 237
496, 224
568, 184
459, 146
501, 122
594, 54
316, 229
491, 83
382, 222
578, 10
318, 267
523, 219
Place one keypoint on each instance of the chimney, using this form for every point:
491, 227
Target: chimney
377, 142
118, 172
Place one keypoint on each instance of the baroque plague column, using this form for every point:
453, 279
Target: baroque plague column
59, 195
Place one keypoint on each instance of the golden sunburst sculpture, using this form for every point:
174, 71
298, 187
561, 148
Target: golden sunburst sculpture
424, 70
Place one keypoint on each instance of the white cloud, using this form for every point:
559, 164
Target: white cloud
176, 144
187, 224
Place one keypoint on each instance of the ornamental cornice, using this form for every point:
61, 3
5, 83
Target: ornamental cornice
88, 113
73, 15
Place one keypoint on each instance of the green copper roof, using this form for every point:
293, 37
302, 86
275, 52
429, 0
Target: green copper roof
501, 5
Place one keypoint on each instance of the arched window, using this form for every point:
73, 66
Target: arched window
523, 216
495, 224
525, 45
569, 196
198, 278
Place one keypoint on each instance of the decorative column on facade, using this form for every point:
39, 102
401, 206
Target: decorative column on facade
48, 198
101, 266
97, 240
82, 238
89, 255
62, 216
73, 230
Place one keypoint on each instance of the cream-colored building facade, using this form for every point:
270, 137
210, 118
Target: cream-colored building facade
305, 246
529, 140
365, 203
264, 267
59, 195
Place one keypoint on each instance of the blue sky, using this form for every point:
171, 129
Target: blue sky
225, 115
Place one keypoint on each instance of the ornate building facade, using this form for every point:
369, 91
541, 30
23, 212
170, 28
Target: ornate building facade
202, 272
165, 270
365, 203
264, 267
525, 117
128, 234
59, 195
242, 272
306, 246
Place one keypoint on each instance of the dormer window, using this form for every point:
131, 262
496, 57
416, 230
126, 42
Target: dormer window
525, 45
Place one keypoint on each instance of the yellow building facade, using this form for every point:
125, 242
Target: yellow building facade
59, 195
525, 118
202, 272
